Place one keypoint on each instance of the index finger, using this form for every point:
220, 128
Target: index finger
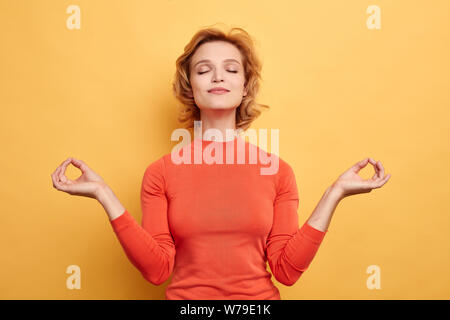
359, 165
377, 169
381, 169
62, 172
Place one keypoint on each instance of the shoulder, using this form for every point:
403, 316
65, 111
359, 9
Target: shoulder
285, 171
284, 178
286, 183
155, 172
154, 180
157, 165
281, 168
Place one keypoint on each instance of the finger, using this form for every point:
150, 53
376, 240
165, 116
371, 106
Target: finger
377, 172
62, 187
62, 172
79, 164
56, 170
53, 179
359, 165
380, 166
381, 182
59, 185
56, 183
58, 173
55, 174
386, 178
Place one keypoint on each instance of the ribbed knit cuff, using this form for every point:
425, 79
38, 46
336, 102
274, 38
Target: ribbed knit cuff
312, 233
122, 222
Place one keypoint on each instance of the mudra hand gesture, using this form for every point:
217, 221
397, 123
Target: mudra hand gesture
350, 183
88, 184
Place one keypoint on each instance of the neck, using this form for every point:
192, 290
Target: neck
217, 125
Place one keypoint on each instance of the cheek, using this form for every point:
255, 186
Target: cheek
198, 85
239, 83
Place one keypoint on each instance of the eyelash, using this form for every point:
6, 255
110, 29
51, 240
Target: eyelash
208, 70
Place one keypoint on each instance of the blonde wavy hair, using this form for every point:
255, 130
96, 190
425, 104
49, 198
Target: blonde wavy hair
249, 109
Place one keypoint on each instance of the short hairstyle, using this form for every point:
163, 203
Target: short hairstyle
249, 109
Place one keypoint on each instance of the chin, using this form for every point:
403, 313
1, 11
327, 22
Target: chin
220, 106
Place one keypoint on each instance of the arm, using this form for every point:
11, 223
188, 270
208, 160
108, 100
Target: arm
322, 214
149, 247
110, 203
290, 250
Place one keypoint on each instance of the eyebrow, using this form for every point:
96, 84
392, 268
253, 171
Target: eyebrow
207, 60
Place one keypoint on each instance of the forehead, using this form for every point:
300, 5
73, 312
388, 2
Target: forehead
216, 51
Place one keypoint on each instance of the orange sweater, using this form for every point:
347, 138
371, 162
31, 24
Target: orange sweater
216, 225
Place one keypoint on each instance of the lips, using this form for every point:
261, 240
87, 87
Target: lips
218, 90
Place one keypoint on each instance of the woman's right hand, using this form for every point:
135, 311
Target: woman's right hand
89, 184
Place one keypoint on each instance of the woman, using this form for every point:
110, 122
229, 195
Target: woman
215, 226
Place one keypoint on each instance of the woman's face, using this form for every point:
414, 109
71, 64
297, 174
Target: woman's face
217, 64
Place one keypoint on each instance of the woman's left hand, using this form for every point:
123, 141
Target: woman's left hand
350, 183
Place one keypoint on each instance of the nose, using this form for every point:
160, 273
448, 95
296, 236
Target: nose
217, 77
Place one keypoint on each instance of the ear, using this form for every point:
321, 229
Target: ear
245, 92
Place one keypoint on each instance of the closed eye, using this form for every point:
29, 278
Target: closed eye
208, 71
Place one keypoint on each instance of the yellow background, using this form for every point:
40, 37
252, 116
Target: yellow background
338, 92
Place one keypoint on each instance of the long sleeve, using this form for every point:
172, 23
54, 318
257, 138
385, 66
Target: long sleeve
290, 250
150, 246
